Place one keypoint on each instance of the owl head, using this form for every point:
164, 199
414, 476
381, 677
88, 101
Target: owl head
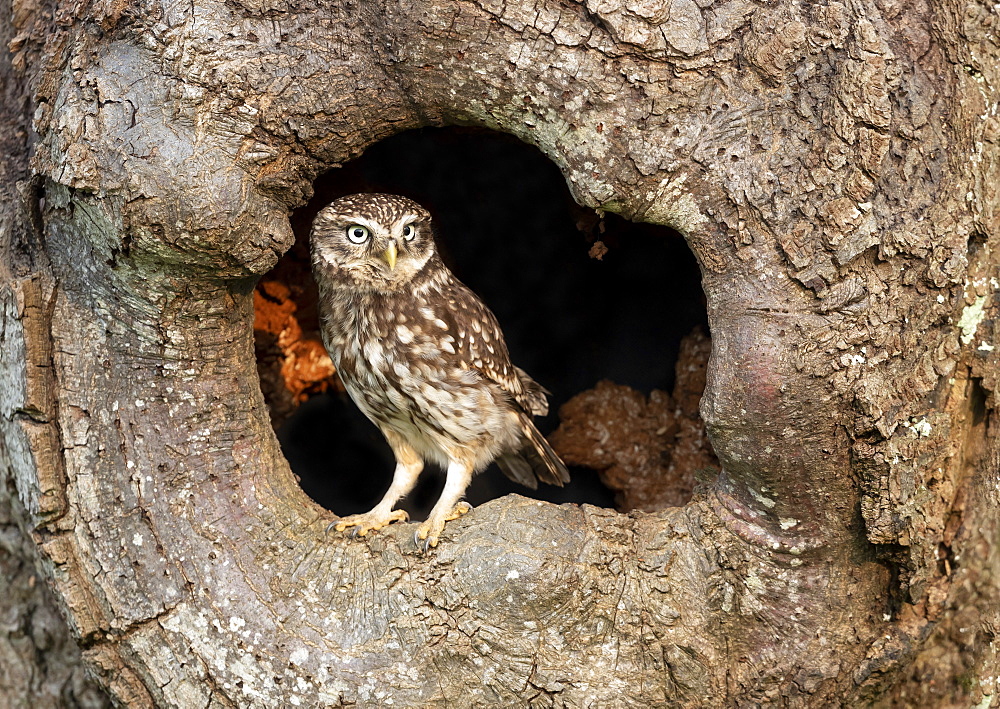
374, 241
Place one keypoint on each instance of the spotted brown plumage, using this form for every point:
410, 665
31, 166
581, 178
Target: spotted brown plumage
422, 357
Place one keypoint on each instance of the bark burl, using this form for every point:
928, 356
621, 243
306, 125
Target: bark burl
833, 166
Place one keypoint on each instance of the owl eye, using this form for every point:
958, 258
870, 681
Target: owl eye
357, 234
409, 232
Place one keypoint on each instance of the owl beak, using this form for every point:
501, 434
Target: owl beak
390, 255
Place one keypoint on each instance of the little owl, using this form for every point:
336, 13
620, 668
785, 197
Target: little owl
423, 358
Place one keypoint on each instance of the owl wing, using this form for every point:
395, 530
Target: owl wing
535, 394
480, 346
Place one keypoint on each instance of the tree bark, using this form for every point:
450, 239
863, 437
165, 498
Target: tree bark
833, 168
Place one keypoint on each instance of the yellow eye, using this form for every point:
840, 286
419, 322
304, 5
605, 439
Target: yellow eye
409, 232
357, 234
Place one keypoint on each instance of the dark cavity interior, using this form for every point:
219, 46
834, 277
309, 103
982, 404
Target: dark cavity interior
581, 298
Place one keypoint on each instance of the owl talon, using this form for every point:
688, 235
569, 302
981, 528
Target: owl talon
361, 524
422, 544
460, 509
429, 532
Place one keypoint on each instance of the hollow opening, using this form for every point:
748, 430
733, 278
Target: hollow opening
582, 298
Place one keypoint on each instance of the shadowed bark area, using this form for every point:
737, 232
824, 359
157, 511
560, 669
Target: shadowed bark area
41, 662
832, 169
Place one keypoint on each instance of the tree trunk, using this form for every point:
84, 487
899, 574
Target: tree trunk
833, 168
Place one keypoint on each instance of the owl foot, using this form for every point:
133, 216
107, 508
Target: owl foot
427, 533
368, 522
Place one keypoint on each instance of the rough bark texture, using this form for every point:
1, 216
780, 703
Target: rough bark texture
833, 167
41, 662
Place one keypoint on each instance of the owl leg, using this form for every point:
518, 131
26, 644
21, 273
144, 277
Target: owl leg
408, 467
448, 506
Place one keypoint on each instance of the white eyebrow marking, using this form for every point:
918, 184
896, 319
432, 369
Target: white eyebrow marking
401, 223
372, 226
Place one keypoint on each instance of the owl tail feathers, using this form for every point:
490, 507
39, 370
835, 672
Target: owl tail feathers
534, 461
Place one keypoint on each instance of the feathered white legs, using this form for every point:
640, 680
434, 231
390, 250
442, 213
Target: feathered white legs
447, 507
408, 468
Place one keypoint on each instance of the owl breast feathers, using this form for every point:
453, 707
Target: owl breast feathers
422, 357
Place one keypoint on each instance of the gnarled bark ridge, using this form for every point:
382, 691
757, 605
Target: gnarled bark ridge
829, 164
